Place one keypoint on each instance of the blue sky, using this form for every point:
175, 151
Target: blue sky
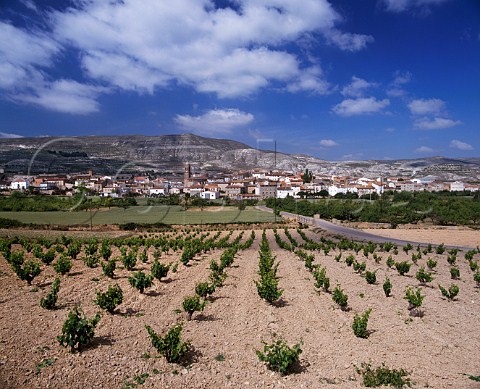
363, 79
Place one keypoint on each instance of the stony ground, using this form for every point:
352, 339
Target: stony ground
438, 348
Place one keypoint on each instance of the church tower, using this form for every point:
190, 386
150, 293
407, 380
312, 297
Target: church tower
187, 174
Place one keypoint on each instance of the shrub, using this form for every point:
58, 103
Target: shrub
338, 257
431, 264
452, 259
440, 249
414, 298
49, 301
390, 261
476, 278
340, 297
407, 248
321, 279
267, 288
350, 260
74, 249
140, 280
469, 255
279, 356
91, 261
159, 270
359, 325
28, 271
192, 304
454, 273
171, 345
109, 267
371, 277
109, 300
203, 289
380, 376
473, 265
129, 260
423, 276
63, 265
105, 250
359, 267
402, 267
387, 287
77, 330
48, 257
451, 293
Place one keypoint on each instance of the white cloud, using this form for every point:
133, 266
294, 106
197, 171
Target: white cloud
396, 87
4, 135
357, 87
364, 105
310, 80
328, 143
424, 150
404, 5
456, 144
390, 129
426, 106
146, 45
142, 45
352, 157
436, 123
217, 121
64, 96
348, 41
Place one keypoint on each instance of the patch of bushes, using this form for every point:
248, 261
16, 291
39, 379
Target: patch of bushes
77, 330
110, 299
383, 376
171, 345
279, 356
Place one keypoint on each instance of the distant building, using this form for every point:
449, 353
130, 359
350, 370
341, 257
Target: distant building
20, 184
457, 186
266, 191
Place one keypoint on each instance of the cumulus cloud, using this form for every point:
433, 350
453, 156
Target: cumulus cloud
146, 45
4, 135
310, 80
328, 143
426, 106
424, 150
360, 106
357, 87
404, 5
396, 87
436, 123
348, 41
456, 144
216, 121
64, 96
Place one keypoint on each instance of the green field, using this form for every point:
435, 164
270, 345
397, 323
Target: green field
144, 214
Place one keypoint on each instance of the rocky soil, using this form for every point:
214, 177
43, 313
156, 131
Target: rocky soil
438, 348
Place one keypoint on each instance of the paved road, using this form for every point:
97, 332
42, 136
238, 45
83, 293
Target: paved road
351, 233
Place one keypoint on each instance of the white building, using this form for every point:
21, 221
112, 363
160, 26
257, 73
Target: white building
20, 184
210, 195
457, 186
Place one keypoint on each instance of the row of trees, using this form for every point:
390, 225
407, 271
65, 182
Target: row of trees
394, 209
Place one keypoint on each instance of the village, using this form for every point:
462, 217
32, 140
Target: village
255, 184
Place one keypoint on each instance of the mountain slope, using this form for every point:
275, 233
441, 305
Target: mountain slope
168, 153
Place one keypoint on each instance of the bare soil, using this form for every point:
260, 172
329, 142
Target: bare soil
438, 348
448, 236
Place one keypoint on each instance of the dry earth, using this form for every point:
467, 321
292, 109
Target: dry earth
448, 236
437, 348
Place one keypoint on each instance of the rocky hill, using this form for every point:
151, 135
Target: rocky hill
168, 153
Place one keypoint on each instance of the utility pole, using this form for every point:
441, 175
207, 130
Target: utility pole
275, 198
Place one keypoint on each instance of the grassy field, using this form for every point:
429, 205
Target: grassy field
144, 214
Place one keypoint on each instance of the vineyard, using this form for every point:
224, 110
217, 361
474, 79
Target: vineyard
195, 308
